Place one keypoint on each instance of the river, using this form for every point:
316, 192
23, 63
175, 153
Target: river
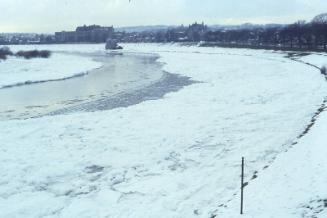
120, 73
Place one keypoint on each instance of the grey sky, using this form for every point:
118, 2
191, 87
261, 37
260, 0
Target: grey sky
53, 15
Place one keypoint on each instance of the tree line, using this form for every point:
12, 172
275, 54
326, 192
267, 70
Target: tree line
299, 35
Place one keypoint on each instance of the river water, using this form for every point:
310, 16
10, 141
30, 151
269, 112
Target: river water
120, 73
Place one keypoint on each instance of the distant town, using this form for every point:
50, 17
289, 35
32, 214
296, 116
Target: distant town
99, 34
300, 35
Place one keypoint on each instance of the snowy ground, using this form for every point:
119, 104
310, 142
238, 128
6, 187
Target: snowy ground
15, 71
317, 59
294, 185
178, 156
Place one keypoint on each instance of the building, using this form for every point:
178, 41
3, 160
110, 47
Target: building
196, 32
91, 34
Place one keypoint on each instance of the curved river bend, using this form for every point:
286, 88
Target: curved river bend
122, 76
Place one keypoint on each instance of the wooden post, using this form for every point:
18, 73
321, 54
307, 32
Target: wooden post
242, 185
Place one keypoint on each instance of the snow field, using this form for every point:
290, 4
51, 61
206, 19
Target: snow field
174, 157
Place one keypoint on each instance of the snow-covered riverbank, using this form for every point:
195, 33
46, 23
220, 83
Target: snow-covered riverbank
177, 156
19, 71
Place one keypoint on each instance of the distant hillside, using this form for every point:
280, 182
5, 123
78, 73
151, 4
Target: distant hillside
143, 28
244, 26
158, 28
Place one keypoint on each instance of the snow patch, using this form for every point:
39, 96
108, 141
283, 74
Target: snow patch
19, 71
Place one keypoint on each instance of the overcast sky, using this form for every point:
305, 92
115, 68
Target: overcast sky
53, 15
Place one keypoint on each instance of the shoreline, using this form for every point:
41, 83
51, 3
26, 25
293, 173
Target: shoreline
154, 90
27, 83
260, 47
167, 84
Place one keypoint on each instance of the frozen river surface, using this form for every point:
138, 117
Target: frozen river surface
175, 153
118, 76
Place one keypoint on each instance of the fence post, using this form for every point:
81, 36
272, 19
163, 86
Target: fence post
242, 185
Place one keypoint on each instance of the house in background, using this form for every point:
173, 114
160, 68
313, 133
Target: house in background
91, 34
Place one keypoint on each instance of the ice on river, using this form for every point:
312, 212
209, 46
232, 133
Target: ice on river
177, 156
